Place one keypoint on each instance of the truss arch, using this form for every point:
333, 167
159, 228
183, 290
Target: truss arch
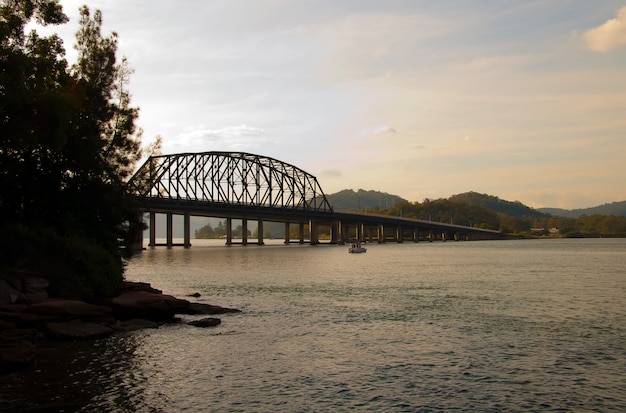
232, 178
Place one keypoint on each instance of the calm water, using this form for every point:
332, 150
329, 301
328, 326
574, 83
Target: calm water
498, 326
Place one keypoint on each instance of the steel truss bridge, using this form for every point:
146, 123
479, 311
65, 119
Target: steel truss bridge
244, 186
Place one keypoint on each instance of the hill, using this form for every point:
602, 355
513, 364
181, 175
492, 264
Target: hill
361, 200
614, 208
495, 204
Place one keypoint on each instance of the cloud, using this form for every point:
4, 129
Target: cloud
608, 36
381, 130
231, 137
331, 173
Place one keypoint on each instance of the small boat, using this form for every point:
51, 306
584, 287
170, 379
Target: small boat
356, 247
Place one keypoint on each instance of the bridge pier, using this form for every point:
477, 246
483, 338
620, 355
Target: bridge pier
259, 231
229, 231
186, 230
152, 242
169, 227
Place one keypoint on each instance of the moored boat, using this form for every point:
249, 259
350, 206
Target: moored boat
356, 247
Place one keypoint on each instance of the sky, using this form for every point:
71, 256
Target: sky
524, 100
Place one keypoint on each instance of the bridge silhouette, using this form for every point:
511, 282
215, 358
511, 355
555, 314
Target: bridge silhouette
244, 186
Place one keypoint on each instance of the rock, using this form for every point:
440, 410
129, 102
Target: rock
9, 294
134, 324
143, 304
200, 308
15, 354
72, 308
35, 285
138, 286
77, 329
206, 322
196, 295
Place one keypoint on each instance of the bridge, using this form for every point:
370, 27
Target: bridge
244, 186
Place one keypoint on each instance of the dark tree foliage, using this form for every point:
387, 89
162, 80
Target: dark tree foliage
68, 145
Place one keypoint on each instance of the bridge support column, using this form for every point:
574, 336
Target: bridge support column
341, 232
152, 229
381, 234
399, 235
334, 232
287, 234
187, 230
229, 231
416, 235
313, 233
169, 240
244, 231
301, 232
443, 236
259, 230
430, 236
361, 232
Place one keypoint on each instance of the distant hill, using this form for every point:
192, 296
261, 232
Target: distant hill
495, 204
361, 200
614, 208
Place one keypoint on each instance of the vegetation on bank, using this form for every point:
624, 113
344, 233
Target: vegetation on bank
69, 144
513, 218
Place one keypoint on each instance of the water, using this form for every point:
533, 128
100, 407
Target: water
491, 326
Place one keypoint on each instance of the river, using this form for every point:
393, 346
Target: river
486, 326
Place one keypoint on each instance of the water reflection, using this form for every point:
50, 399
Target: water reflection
95, 375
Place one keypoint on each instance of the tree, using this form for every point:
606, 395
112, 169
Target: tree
69, 143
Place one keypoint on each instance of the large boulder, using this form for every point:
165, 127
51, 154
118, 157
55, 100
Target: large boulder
144, 304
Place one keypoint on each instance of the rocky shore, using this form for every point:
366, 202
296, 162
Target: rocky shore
28, 315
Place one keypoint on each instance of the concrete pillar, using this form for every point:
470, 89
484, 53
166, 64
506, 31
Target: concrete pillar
361, 237
301, 232
169, 230
443, 236
244, 231
416, 235
152, 229
287, 235
229, 231
341, 232
334, 232
187, 230
399, 235
313, 233
381, 234
259, 230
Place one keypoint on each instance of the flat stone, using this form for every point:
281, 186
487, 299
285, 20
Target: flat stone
144, 304
201, 308
77, 329
206, 322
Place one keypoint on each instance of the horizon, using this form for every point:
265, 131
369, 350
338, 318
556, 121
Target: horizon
525, 101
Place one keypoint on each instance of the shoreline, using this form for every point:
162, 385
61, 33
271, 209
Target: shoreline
29, 316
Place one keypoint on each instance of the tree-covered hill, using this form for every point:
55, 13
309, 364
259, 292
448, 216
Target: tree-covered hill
486, 211
617, 209
493, 203
361, 200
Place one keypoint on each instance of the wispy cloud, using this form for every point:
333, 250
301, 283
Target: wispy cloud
231, 137
608, 36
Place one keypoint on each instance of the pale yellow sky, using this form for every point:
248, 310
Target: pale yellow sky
522, 100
